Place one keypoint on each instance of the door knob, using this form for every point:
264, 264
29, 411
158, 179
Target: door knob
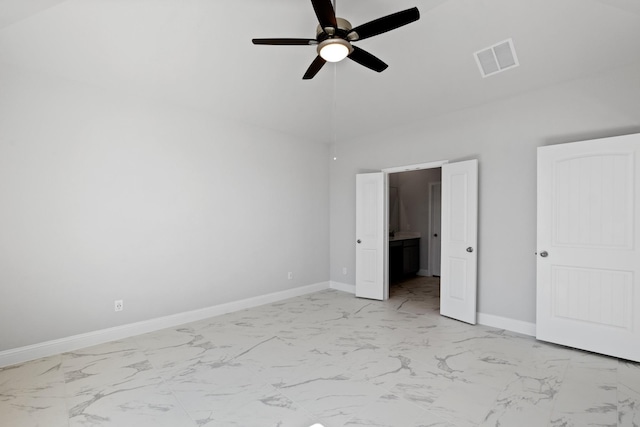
359, 241
469, 249
544, 254
435, 235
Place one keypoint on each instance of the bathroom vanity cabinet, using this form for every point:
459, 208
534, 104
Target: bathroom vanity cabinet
404, 257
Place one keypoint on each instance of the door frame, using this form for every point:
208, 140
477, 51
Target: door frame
386, 172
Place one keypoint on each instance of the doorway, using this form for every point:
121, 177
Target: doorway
459, 207
414, 227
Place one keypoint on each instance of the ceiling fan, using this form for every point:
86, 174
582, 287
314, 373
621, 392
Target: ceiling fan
334, 37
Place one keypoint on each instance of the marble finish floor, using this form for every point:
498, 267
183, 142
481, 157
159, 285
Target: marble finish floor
327, 358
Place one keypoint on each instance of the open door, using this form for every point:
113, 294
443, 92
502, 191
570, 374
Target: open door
435, 239
588, 264
370, 239
459, 232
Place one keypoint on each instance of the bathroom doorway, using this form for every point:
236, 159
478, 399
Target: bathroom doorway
414, 228
459, 222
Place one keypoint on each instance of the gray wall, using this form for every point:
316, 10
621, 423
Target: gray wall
503, 136
107, 196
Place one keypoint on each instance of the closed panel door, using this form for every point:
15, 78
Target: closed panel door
588, 259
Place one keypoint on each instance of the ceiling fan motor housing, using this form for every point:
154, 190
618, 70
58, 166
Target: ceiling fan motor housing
343, 31
334, 43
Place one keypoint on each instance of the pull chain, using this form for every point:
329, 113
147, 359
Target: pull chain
335, 112
335, 99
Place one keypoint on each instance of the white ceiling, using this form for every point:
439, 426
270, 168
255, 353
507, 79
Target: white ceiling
198, 53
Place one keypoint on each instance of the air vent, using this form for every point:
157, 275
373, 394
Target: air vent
497, 58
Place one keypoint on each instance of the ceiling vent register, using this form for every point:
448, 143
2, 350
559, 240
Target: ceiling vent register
497, 58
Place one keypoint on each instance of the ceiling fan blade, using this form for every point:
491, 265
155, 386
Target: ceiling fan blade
325, 13
285, 42
363, 57
386, 23
315, 66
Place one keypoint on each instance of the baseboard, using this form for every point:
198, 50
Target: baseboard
483, 319
50, 348
512, 325
423, 272
344, 287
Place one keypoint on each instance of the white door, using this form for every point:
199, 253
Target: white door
370, 253
435, 238
459, 230
588, 264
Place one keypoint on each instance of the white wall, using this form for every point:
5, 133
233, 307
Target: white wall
503, 136
106, 196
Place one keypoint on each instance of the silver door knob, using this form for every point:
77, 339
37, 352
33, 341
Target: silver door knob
469, 249
359, 241
544, 254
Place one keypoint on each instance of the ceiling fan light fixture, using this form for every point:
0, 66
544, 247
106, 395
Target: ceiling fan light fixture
334, 50
334, 36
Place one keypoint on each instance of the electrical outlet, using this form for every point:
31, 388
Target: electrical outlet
290, 275
344, 271
118, 305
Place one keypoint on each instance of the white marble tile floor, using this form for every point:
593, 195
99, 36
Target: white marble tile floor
326, 358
